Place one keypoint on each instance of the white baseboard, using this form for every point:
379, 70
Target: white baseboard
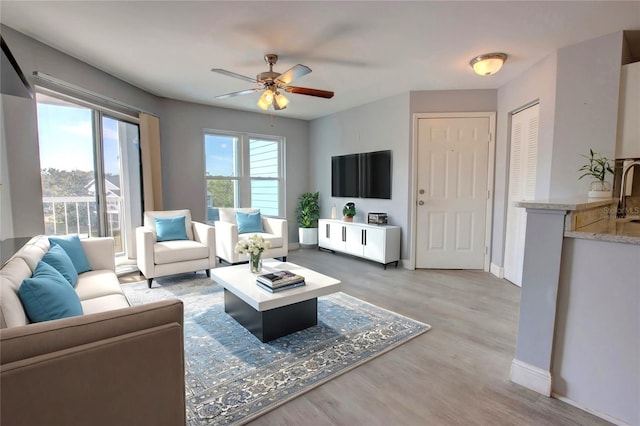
496, 270
531, 377
583, 407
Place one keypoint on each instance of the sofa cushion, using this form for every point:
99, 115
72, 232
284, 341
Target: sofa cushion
48, 296
228, 214
150, 223
178, 251
170, 228
11, 276
99, 283
249, 222
72, 245
33, 251
104, 303
60, 261
273, 239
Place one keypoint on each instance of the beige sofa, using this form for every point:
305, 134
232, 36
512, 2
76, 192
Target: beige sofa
115, 364
275, 231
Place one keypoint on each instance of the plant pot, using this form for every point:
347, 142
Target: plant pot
348, 218
308, 237
600, 190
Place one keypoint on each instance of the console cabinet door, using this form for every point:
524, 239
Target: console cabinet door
331, 235
374, 244
353, 240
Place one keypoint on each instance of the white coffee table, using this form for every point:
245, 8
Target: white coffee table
272, 315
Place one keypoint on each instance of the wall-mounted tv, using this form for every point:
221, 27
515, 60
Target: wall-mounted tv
345, 172
364, 175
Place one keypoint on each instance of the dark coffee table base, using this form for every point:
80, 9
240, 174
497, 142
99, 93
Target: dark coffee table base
274, 323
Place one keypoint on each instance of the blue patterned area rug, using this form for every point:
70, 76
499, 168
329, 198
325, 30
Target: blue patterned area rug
232, 377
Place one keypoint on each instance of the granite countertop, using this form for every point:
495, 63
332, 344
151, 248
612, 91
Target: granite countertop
618, 231
568, 204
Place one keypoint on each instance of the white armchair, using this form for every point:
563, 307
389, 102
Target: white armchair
275, 231
160, 258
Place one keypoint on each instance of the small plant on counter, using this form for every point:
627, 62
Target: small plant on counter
598, 167
349, 211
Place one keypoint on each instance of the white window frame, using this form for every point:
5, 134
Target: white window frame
243, 198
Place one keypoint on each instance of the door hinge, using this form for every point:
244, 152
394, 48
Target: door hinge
486, 249
488, 194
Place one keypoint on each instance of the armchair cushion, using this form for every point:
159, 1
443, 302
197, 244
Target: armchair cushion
228, 214
48, 295
179, 251
170, 228
249, 222
72, 245
149, 215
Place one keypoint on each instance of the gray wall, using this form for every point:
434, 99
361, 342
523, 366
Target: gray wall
376, 126
536, 84
588, 85
596, 358
182, 127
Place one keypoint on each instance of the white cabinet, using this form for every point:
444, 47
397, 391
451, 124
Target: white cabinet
380, 243
628, 144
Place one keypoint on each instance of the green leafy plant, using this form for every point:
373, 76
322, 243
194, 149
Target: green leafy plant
349, 210
597, 167
308, 210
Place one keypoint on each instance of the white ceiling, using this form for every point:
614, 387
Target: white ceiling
362, 50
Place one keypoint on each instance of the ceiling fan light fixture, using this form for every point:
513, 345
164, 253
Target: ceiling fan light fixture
489, 63
266, 99
280, 101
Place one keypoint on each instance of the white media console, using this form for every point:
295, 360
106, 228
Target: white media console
380, 243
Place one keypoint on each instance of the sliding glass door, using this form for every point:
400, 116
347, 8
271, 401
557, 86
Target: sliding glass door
90, 170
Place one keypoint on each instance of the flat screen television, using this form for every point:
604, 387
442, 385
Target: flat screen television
375, 175
345, 175
365, 175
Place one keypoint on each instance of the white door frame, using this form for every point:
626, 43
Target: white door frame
413, 199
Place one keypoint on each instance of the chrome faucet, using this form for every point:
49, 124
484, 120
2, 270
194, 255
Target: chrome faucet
622, 204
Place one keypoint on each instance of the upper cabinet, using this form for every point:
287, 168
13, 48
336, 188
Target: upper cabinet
628, 141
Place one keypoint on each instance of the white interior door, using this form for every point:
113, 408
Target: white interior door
452, 170
522, 186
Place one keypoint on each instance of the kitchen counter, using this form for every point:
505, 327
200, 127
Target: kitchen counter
591, 219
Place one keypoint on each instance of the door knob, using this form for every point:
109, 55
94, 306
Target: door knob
421, 203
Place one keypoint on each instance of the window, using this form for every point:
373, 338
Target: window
243, 170
90, 171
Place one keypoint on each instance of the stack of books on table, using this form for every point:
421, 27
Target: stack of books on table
279, 280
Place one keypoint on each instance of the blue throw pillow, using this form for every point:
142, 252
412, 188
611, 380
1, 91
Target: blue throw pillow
72, 245
249, 222
60, 261
171, 228
47, 295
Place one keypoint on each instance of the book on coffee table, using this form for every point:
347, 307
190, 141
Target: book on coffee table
281, 288
278, 279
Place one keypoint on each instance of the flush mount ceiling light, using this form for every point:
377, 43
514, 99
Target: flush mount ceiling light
489, 63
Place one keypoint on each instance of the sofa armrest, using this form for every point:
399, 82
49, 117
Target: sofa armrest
145, 239
206, 234
89, 369
100, 252
226, 239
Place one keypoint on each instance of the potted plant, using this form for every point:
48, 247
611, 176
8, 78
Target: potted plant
308, 213
349, 211
597, 167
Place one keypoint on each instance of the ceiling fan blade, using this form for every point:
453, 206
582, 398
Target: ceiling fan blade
292, 73
311, 92
242, 92
233, 74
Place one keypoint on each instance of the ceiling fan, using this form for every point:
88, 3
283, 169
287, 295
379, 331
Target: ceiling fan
273, 82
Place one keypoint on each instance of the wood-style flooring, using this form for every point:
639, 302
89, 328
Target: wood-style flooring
455, 374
